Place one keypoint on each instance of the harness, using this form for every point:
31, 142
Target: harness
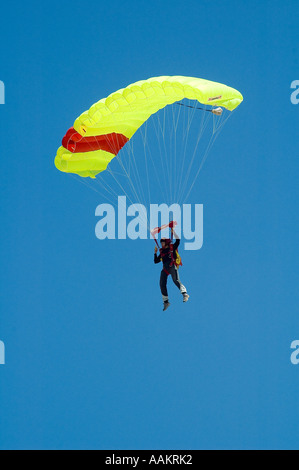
158, 230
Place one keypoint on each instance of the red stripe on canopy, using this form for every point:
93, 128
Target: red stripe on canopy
75, 142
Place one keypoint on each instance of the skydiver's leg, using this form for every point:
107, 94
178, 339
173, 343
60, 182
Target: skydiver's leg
163, 286
176, 279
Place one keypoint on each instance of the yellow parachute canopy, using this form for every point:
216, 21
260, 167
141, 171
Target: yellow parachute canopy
99, 133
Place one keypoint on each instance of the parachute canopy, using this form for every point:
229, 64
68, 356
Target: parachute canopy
100, 133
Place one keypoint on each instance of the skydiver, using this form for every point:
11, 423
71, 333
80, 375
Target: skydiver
168, 255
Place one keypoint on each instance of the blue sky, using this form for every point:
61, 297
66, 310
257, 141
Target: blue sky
91, 360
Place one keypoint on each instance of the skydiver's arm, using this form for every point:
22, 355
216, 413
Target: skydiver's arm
174, 234
177, 242
157, 258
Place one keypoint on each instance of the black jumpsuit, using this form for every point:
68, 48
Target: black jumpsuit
169, 267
